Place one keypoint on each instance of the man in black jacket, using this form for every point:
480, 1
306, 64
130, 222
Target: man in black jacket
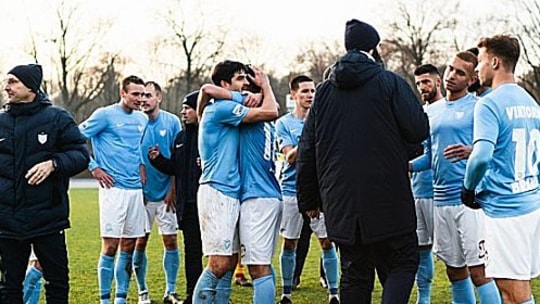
40, 149
352, 163
184, 165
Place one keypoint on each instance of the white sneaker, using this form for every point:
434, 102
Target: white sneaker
144, 298
172, 298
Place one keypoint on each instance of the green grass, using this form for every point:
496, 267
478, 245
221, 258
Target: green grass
84, 245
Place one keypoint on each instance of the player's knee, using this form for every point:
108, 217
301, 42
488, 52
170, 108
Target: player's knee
259, 271
219, 265
326, 243
170, 242
289, 244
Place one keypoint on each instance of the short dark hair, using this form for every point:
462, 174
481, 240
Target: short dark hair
131, 79
224, 71
156, 86
426, 68
252, 87
469, 57
474, 50
505, 47
294, 84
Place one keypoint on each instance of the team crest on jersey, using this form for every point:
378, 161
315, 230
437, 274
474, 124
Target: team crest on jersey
42, 137
140, 128
162, 132
459, 114
238, 109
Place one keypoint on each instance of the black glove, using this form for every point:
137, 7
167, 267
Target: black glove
468, 198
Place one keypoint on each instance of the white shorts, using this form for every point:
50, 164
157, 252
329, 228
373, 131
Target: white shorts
259, 230
218, 218
292, 221
167, 223
121, 213
459, 235
513, 244
424, 220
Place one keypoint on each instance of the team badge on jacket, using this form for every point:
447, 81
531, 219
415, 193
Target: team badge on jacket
459, 114
42, 137
162, 132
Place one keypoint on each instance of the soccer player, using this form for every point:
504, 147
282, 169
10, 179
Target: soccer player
185, 166
159, 196
459, 231
503, 168
219, 190
115, 132
428, 84
289, 128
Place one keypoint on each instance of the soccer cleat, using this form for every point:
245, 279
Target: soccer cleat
172, 298
242, 281
322, 281
285, 300
144, 298
334, 299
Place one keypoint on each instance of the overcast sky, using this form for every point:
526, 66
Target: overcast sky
282, 25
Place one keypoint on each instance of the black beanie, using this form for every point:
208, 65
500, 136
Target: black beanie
191, 99
360, 36
30, 75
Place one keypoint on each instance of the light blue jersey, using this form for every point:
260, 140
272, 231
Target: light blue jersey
450, 123
116, 137
219, 140
288, 128
257, 161
509, 118
160, 131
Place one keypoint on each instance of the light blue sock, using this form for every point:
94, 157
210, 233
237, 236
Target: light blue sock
463, 292
424, 276
122, 273
223, 288
264, 290
331, 269
139, 266
287, 263
31, 285
171, 263
489, 293
205, 289
105, 277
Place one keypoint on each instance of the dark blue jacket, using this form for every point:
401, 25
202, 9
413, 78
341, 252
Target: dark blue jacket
354, 151
183, 165
31, 133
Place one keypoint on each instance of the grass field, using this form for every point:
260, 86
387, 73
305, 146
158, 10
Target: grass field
84, 246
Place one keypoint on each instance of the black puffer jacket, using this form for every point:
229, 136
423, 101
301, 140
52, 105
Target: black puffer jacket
353, 152
31, 133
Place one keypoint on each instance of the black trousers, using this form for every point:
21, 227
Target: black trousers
302, 247
396, 260
192, 248
52, 255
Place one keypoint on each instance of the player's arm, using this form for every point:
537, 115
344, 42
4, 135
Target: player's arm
422, 162
269, 109
478, 162
209, 91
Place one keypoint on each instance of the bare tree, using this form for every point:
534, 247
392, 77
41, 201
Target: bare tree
419, 34
195, 49
313, 59
529, 35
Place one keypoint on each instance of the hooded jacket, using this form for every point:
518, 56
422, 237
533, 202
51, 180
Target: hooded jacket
31, 133
353, 152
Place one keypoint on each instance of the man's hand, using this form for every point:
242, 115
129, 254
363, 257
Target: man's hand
468, 198
457, 152
105, 180
39, 172
142, 174
153, 152
314, 214
252, 100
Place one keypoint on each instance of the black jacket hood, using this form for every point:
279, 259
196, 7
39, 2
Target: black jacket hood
354, 69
